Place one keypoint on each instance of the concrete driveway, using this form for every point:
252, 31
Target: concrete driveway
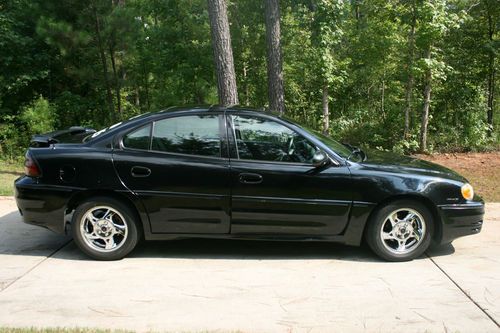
206, 285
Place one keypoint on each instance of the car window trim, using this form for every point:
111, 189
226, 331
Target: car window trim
190, 115
123, 147
182, 154
274, 162
296, 128
233, 138
171, 153
152, 123
225, 151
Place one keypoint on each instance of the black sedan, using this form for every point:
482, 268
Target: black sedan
240, 174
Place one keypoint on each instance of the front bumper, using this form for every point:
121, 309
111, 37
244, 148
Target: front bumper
460, 220
41, 205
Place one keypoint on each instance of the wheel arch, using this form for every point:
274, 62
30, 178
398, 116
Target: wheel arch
437, 232
82, 196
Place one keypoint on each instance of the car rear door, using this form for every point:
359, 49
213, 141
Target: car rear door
275, 188
179, 168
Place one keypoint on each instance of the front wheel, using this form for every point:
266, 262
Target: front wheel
400, 230
104, 229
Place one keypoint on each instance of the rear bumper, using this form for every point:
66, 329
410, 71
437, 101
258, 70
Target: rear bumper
42, 205
460, 220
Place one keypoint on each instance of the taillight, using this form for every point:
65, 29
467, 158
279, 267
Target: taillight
30, 167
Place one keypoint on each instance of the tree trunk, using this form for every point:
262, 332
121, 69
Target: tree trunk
326, 112
223, 52
109, 94
245, 80
118, 74
410, 81
491, 92
491, 76
274, 60
427, 102
116, 82
382, 99
137, 97
357, 13
145, 75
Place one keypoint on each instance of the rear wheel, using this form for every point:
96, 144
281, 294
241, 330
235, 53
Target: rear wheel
400, 230
105, 229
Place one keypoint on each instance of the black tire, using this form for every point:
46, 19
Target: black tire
128, 241
379, 221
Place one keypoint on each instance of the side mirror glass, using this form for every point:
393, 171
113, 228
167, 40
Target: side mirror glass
320, 159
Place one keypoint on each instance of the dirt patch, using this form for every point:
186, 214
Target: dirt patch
481, 169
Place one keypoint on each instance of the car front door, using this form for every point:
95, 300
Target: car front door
275, 188
178, 167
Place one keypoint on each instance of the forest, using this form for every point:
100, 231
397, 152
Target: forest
399, 75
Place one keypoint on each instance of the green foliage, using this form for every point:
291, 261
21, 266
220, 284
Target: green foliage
38, 117
15, 131
409, 144
469, 131
11, 144
97, 62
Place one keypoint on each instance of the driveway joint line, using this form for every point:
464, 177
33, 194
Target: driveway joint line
462, 290
36, 265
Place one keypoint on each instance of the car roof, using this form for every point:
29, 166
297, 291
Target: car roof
211, 107
153, 116
202, 108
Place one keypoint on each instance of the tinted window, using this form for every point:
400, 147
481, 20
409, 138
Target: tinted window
139, 139
194, 135
337, 147
267, 140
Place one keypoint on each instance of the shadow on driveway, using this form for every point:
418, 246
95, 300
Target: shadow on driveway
18, 238
251, 250
441, 250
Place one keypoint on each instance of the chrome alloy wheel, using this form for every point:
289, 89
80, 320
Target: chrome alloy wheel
402, 230
103, 228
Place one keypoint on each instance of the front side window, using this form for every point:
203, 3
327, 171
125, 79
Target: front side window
138, 139
267, 140
193, 135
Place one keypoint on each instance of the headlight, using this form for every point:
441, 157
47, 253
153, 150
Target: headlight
467, 191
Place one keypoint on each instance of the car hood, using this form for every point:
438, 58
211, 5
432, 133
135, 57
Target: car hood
405, 164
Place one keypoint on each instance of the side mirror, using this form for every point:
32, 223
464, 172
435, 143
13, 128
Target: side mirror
320, 159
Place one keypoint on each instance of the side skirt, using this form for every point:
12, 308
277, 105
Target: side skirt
292, 238
353, 234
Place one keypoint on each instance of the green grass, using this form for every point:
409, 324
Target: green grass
58, 330
9, 171
73, 330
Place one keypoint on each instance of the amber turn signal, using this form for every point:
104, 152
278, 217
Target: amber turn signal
467, 192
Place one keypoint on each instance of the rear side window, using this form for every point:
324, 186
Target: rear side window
193, 135
138, 139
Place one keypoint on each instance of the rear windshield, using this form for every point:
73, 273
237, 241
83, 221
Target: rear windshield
106, 129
